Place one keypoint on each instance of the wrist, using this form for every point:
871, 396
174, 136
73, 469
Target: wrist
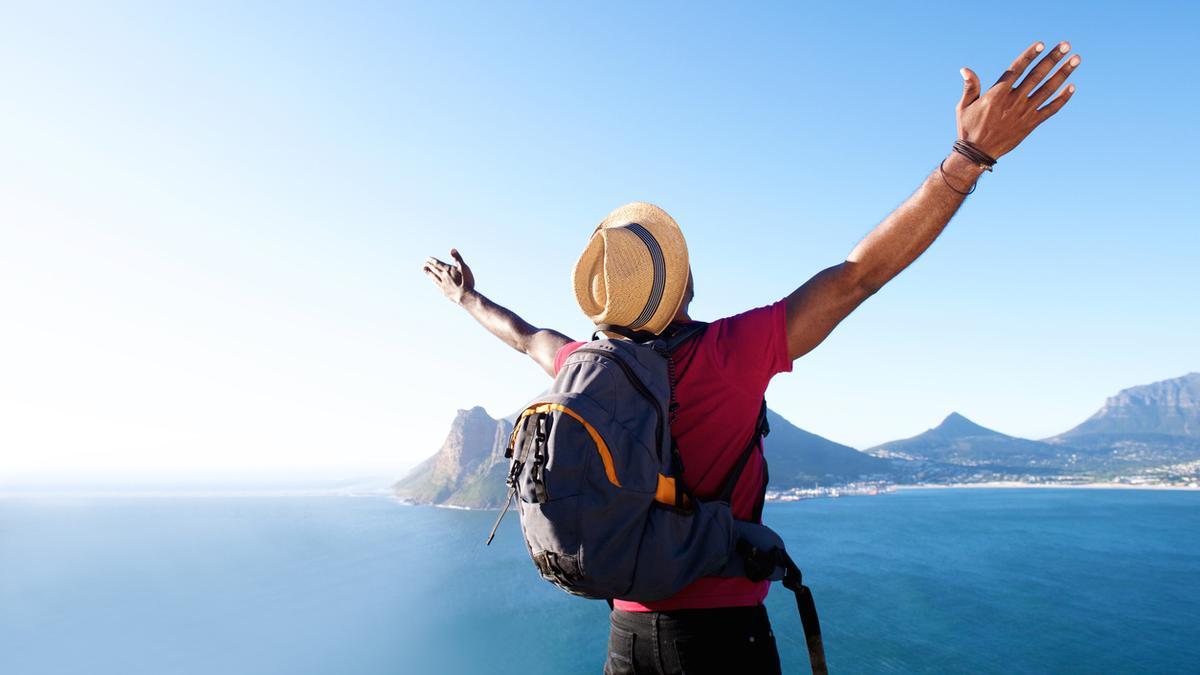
962, 169
467, 298
960, 174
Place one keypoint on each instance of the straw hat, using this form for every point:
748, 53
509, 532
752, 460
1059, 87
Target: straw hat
634, 271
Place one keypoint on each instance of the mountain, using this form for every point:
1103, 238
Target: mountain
796, 457
1169, 407
959, 441
1148, 433
468, 470
1141, 429
1146, 426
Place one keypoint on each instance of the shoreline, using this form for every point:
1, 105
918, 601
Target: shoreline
989, 485
1044, 486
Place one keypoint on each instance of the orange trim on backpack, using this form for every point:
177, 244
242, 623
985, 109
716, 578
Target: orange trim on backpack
666, 492
601, 446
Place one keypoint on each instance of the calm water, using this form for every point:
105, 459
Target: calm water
986, 581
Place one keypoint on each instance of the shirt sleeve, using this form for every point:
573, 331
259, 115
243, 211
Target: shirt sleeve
751, 347
563, 352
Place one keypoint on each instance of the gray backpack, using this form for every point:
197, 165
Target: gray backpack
597, 481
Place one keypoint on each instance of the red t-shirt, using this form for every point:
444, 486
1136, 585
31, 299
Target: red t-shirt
722, 378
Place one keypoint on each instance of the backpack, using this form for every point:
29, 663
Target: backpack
597, 479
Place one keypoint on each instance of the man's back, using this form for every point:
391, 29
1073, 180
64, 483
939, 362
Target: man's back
722, 377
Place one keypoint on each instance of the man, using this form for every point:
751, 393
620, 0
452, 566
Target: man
719, 624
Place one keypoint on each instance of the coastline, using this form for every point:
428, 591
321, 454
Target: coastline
1010, 485
1057, 486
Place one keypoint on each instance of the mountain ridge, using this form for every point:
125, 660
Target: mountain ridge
958, 440
1169, 406
1147, 430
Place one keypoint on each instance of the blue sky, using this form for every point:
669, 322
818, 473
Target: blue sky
212, 217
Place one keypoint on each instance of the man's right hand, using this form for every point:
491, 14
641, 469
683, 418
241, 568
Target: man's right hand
455, 281
458, 284
1000, 119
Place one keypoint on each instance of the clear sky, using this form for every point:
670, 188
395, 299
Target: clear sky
212, 218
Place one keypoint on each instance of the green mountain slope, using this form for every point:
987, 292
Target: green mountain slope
959, 441
796, 457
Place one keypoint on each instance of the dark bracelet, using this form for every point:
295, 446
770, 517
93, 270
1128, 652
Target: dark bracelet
977, 156
942, 170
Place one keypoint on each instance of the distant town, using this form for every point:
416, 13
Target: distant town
1186, 479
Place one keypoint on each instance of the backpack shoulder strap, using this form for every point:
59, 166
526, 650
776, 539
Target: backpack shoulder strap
677, 334
672, 339
761, 429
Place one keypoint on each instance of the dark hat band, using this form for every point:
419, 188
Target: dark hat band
659, 284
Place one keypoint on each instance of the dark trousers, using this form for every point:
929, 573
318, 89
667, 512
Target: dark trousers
724, 640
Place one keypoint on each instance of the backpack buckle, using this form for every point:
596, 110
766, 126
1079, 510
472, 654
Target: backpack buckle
760, 564
514, 471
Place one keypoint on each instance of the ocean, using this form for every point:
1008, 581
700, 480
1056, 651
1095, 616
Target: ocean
925, 581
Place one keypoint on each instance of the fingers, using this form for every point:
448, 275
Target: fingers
1021, 63
432, 273
437, 269
970, 87
1056, 80
1054, 106
457, 257
1043, 68
437, 264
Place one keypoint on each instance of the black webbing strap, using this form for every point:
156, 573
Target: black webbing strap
675, 335
761, 565
678, 333
761, 428
793, 581
635, 335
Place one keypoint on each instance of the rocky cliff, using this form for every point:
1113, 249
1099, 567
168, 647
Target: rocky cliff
1170, 407
468, 470
1141, 427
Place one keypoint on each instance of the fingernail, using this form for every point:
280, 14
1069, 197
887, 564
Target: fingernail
1064, 47
963, 72
1039, 47
1074, 61
1071, 89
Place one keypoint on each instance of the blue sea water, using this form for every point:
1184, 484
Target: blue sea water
979, 581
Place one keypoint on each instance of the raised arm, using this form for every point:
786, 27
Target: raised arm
995, 123
457, 282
